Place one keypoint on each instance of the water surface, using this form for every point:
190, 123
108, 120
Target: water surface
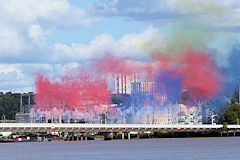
146, 149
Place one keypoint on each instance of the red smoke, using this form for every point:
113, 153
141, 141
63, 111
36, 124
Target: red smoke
201, 75
199, 72
110, 64
80, 91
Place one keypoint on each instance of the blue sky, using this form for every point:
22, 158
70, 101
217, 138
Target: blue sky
57, 35
117, 26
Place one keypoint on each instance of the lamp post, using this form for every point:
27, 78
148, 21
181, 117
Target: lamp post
212, 117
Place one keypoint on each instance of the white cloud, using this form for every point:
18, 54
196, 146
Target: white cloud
147, 40
20, 77
130, 45
61, 58
221, 14
28, 11
25, 24
37, 35
11, 42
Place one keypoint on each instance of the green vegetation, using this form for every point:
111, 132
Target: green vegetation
232, 114
22, 133
9, 105
231, 111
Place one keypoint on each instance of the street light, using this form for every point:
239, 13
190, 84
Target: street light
212, 117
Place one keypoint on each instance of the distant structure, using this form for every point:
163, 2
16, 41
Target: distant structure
155, 106
26, 103
189, 115
174, 114
123, 82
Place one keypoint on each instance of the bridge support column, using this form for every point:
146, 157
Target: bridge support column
60, 118
78, 136
111, 135
122, 135
81, 138
86, 138
138, 135
129, 135
68, 137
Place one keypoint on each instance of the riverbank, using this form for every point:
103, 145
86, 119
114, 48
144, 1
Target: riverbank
32, 137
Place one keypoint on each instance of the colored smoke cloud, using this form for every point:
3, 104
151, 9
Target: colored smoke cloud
79, 92
187, 63
85, 92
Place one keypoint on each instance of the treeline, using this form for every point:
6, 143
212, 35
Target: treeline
231, 114
9, 105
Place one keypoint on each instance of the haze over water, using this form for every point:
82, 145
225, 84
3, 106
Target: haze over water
147, 149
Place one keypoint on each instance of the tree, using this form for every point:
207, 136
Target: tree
9, 105
232, 114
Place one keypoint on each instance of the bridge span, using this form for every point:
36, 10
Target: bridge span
78, 128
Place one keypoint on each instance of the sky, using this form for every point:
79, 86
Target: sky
55, 36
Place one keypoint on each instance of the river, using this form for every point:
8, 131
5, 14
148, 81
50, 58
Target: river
145, 149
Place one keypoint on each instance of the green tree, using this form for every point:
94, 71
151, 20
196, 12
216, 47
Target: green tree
9, 105
232, 114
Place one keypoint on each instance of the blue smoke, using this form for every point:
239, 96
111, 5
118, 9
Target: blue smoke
170, 83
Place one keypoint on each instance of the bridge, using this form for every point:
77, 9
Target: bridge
87, 128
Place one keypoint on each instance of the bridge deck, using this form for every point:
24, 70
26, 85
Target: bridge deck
66, 127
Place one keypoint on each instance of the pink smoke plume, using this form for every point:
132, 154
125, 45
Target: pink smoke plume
201, 75
79, 91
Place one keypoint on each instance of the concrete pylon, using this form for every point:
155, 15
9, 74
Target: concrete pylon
129, 135
122, 135
68, 119
60, 118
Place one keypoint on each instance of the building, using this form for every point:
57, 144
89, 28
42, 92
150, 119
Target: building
173, 114
123, 83
26, 103
22, 118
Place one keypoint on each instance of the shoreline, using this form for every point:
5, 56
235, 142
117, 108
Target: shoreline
44, 138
